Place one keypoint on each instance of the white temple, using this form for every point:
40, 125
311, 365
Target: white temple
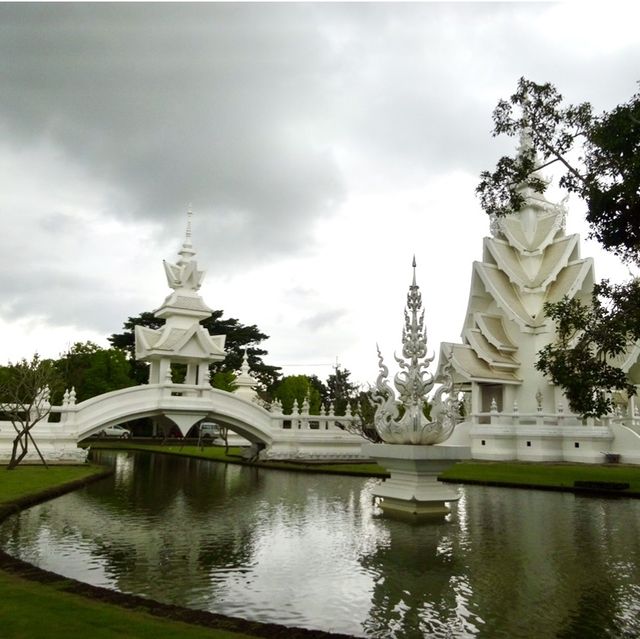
516, 413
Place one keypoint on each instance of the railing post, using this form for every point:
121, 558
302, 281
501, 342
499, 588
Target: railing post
495, 416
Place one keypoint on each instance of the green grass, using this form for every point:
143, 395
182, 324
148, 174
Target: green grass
543, 474
31, 610
23, 481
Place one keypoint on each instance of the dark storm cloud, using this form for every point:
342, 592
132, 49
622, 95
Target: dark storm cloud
240, 108
255, 113
176, 103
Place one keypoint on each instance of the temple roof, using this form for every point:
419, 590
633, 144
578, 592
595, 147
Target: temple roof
493, 329
194, 343
181, 338
553, 260
469, 367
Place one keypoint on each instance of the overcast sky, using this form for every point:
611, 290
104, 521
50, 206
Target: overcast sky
321, 146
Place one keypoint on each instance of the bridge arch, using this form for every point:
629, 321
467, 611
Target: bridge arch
183, 405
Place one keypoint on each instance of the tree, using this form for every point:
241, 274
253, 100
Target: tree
224, 380
588, 341
599, 156
93, 370
292, 390
24, 398
239, 338
600, 160
341, 390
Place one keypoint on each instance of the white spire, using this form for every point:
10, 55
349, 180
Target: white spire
184, 274
187, 252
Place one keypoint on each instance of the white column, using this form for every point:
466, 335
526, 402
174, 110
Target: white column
191, 373
203, 375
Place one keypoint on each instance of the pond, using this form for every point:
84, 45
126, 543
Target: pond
310, 550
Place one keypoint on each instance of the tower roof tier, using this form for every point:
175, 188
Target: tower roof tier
182, 338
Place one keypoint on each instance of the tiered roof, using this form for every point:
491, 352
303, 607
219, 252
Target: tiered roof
181, 338
527, 261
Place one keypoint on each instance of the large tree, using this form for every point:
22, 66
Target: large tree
240, 337
25, 390
599, 157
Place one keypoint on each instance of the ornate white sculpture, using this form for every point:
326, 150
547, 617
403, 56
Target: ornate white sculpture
403, 420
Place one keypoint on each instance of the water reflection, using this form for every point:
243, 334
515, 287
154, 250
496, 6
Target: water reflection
308, 550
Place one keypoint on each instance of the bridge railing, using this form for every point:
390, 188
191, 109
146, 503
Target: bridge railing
301, 419
558, 418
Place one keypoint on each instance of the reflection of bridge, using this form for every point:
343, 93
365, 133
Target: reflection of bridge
281, 436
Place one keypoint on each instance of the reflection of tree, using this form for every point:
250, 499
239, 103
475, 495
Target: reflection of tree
158, 526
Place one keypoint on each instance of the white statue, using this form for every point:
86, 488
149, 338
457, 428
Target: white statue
403, 420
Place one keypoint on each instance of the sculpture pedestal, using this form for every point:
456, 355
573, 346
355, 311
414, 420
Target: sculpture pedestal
413, 490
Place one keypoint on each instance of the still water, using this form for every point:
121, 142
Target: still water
311, 551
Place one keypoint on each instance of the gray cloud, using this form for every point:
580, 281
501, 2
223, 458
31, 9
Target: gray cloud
241, 108
173, 103
322, 319
248, 110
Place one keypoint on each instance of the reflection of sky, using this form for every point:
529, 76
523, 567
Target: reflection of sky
46, 552
311, 550
333, 579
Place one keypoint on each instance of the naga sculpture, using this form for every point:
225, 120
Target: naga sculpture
402, 418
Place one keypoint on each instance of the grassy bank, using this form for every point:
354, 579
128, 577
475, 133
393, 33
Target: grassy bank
31, 610
24, 481
546, 475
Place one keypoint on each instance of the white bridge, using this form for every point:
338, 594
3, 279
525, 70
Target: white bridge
278, 436
183, 341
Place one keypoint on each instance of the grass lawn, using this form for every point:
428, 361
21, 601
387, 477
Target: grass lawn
23, 481
30, 610
544, 474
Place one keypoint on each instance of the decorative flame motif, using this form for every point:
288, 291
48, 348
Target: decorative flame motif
402, 420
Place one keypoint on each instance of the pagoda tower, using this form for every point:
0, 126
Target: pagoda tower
182, 339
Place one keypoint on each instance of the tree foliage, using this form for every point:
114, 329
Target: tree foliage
25, 390
599, 156
342, 391
239, 338
292, 390
338, 391
600, 161
93, 370
589, 339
